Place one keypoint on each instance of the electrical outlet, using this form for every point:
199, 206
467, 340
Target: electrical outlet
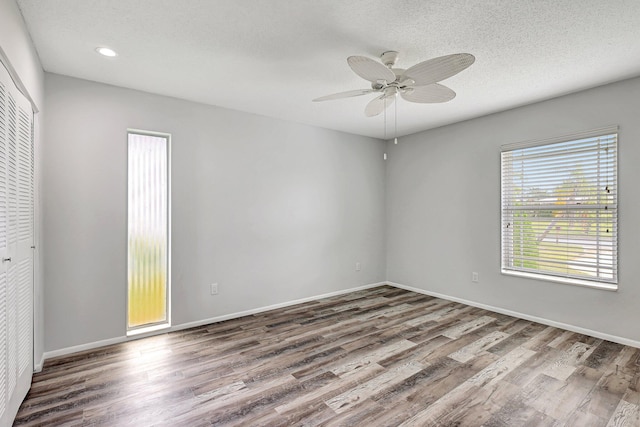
357, 266
475, 277
214, 289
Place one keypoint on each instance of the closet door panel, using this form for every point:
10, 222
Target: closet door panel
12, 334
3, 166
12, 173
4, 132
3, 346
24, 239
25, 304
16, 247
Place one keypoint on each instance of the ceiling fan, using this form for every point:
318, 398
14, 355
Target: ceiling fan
415, 84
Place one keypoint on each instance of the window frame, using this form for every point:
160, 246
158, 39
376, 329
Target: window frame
151, 327
598, 283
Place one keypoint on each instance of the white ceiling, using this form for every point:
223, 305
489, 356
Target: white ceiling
273, 57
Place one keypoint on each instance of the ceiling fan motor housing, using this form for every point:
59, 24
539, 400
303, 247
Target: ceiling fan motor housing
389, 58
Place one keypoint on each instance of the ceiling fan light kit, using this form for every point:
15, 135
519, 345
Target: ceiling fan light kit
418, 83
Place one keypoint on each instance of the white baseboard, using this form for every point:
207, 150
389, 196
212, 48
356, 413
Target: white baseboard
568, 327
117, 340
270, 307
37, 366
83, 347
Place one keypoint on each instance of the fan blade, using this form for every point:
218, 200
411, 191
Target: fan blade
370, 70
347, 94
378, 105
436, 69
429, 94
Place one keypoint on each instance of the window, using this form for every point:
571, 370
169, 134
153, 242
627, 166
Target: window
559, 209
148, 231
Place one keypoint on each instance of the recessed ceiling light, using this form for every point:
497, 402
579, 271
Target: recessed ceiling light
105, 51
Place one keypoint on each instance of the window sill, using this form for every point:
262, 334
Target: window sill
148, 329
564, 280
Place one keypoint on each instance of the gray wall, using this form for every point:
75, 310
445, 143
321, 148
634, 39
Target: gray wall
272, 211
443, 210
16, 45
275, 211
20, 56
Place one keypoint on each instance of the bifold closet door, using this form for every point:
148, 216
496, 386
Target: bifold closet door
16, 247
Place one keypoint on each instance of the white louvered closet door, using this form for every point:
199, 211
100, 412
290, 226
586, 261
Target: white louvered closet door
16, 247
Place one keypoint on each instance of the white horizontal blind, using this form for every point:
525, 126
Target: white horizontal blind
559, 207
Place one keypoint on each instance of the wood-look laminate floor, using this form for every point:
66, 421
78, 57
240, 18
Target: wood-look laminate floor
378, 357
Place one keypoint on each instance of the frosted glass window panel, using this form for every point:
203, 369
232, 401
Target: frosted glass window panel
148, 209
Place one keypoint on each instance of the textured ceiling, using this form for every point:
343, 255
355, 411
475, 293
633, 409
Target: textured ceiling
273, 57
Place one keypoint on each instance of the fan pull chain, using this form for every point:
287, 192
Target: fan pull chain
385, 117
395, 121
